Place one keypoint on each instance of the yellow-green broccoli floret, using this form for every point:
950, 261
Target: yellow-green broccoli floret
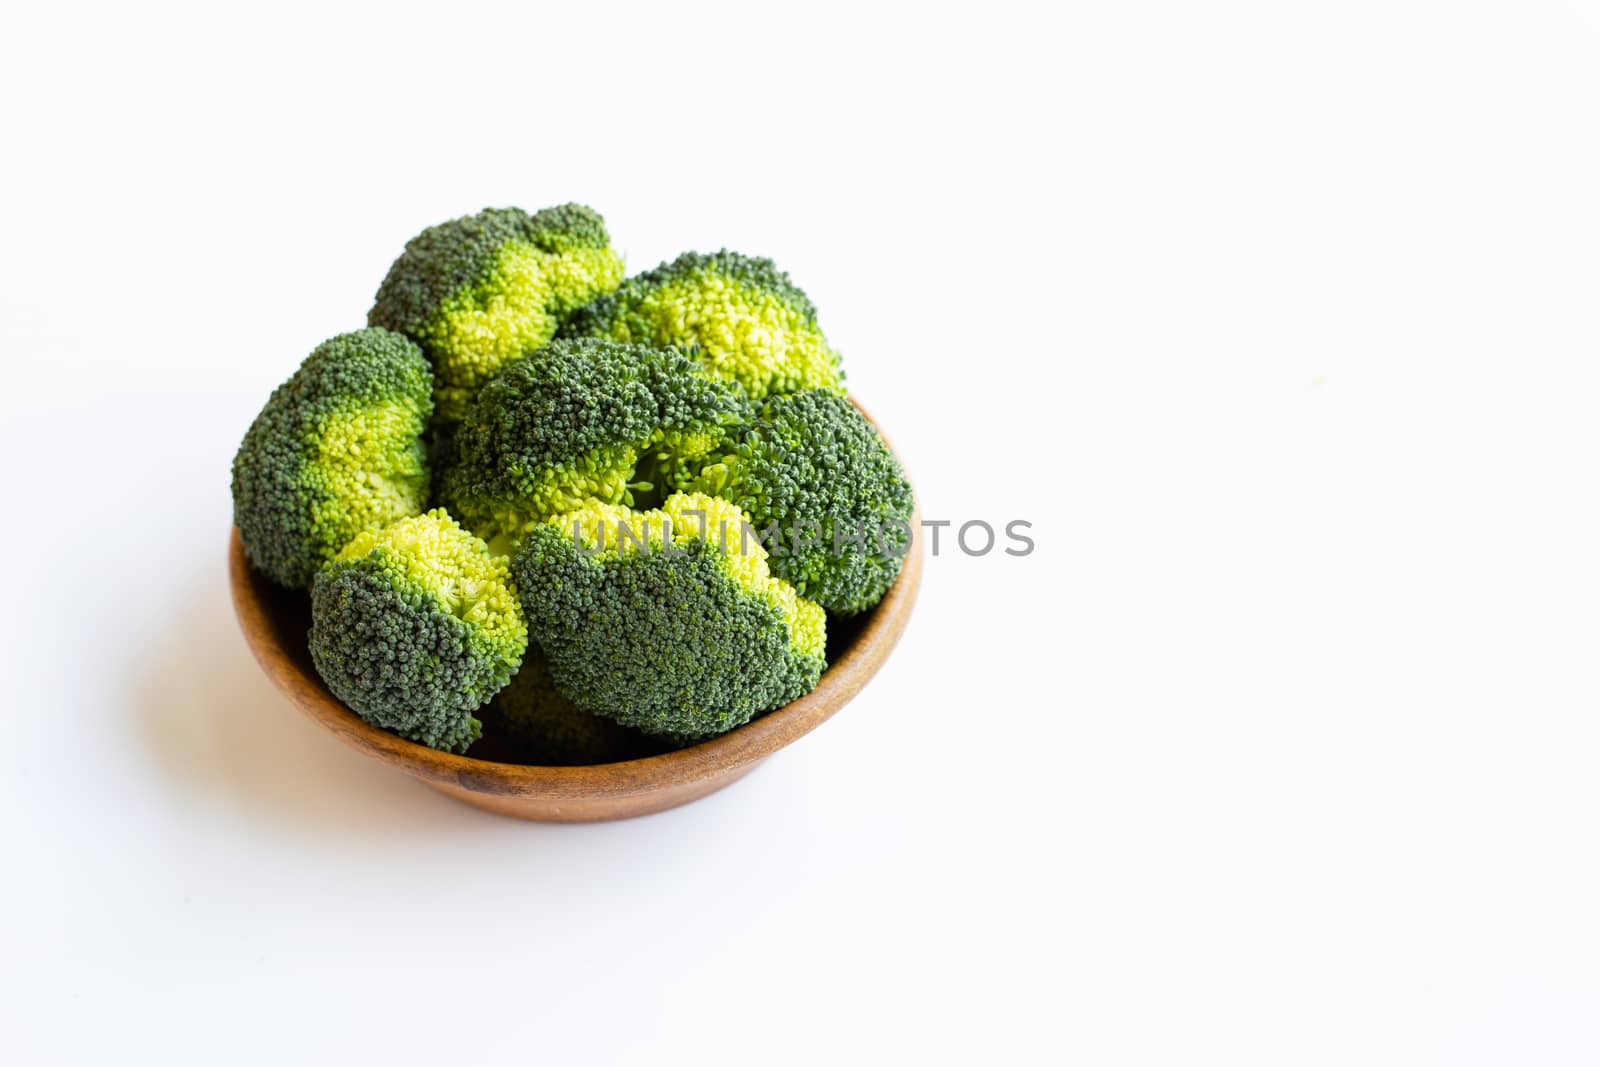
416, 627
740, 315
337, 450
480, 291
580, 421
546, 729
815, 476
677, 637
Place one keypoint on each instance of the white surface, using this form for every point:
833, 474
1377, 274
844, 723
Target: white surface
1278, 321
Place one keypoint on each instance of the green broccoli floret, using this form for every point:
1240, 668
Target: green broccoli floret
546, 729
416, 627
742, 316
680, 639
816, 468
479, 291
337, 450
579, 421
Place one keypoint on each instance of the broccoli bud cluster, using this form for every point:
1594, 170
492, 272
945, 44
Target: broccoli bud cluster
582, 421
416, 626
740, 316
646, 619
478, 292
337, 450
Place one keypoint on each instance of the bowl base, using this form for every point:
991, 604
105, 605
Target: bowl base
592, 808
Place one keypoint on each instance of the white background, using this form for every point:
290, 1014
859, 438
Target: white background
1278, 321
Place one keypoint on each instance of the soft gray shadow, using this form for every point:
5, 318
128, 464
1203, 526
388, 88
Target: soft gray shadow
227, 737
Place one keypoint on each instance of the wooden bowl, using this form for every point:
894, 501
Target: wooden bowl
276, 622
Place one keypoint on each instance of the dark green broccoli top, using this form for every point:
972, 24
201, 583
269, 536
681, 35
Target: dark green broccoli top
579, 421
417, 626
478, 291
337, 450
813, 465
740, 315
685, 642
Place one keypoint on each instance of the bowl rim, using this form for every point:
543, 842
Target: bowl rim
747, 744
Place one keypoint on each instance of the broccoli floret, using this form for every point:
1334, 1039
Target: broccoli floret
417, 626
813, 465
479, 291
579, 421
547, 729
743, 318
337, 450
682, 640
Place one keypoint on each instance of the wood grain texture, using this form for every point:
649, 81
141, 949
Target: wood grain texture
275, 623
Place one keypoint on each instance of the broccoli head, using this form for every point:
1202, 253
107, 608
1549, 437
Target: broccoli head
479, 291
742, 316
417, 626
667, 632
814, 467
579, 421
548, 730
336, 451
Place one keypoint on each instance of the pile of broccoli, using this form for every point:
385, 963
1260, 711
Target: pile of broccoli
604, 516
